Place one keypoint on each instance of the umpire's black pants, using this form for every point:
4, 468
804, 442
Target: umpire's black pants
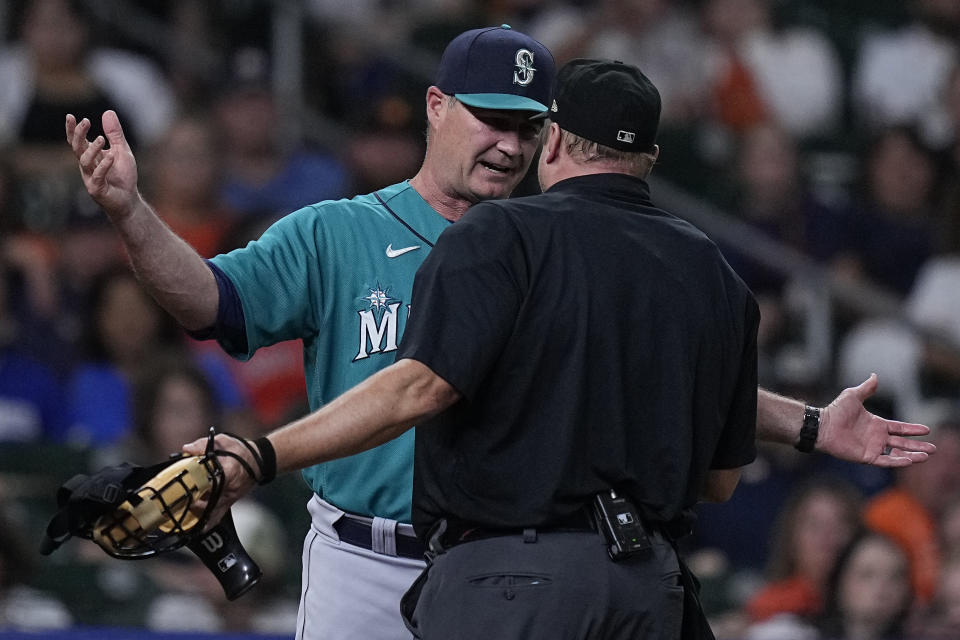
560, 586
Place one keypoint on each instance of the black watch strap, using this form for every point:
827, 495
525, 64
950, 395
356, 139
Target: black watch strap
810, 429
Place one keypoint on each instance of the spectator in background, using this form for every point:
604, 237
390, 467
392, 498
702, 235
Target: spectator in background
83, 249
199, 32
910, 511
894, 228
659, 36
770, 193
54, 68
183, 178
819, 518
869, 596
54, 274
126, 332
899, 73
31, 301
264, 175
943, 131
940, 620
371, 91
172, 400
895, 236
32, 406
389, 144
950, 530
761, 70
57, 51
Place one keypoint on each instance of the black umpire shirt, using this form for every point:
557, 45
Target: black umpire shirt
598, 343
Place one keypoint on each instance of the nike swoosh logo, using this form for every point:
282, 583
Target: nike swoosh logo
395, 253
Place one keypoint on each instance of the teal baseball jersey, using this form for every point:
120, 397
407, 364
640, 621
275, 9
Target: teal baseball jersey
338, 275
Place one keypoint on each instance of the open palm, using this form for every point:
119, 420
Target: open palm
109, 172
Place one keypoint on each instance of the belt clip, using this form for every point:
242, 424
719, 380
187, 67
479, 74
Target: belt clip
529, 536
435, 544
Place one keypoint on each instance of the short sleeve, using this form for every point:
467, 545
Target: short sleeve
737, 446
278, 282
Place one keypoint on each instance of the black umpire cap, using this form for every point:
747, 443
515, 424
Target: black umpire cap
607, 102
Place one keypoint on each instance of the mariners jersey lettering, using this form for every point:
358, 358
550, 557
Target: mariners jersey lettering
379, 335
338, 275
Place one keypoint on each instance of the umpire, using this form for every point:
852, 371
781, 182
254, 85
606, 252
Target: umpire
582, 368
604, 352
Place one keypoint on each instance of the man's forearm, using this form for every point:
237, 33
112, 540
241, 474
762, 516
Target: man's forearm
169, 268
843, 429
779, 418
377, 410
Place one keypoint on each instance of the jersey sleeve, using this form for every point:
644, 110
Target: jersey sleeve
466, 296
278, 281
737, 446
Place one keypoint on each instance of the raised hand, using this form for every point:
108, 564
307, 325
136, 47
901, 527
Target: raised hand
109, 173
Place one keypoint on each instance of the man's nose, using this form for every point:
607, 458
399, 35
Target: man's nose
509, 142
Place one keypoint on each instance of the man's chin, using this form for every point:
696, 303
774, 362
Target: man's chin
496, 190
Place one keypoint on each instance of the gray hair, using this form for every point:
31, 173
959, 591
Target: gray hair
583, 151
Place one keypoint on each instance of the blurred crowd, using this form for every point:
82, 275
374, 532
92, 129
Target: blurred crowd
831, 129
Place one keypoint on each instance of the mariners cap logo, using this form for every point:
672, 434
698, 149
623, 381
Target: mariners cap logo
525, 70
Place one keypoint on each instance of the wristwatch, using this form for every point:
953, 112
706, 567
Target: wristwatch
810, 429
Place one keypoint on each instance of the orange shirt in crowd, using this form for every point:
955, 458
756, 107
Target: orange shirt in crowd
897, 514
204, 232
796, 595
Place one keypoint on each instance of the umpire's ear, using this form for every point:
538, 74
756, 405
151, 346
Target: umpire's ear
551, 145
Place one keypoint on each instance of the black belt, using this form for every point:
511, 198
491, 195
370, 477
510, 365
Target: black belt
360, 534
458, 531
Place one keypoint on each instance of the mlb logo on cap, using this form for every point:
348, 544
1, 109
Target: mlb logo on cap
607, 102
497, 68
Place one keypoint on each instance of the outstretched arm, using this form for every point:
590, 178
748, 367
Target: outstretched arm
375, 411
171, 271
847, 430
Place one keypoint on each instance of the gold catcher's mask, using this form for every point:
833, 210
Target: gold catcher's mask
136, 512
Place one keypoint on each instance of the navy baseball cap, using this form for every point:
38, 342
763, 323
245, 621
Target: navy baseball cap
607, 102
497, 68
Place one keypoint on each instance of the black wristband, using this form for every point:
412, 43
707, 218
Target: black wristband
810, 429
268, 456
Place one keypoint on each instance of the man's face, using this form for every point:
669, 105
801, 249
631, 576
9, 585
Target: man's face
485, 152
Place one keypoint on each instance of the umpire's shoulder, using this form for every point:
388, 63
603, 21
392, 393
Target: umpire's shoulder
488, 222
511, 208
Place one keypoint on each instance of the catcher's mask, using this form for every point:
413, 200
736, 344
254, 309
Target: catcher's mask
136, 512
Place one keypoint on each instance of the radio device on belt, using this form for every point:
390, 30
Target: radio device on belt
619, 521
